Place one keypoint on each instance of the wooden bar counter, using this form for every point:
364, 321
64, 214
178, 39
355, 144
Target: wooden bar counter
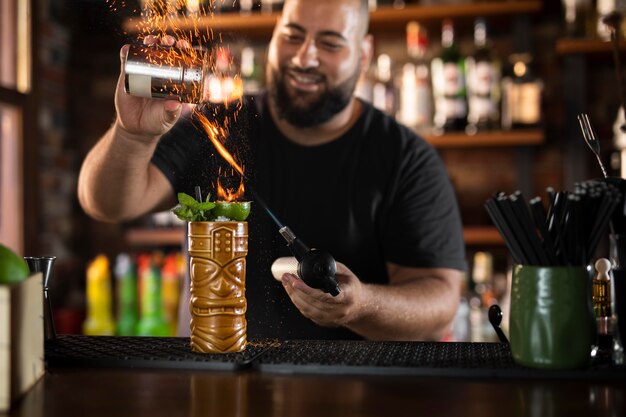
96, 392
113, 376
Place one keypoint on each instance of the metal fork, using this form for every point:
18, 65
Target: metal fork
590, 138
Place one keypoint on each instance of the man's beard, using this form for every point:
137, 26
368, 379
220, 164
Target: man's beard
315, 112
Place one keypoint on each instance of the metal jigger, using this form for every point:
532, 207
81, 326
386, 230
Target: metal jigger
44, 264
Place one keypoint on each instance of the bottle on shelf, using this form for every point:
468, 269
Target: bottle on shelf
126, 278
249, 6
521, 88
483, 73
99, 320
270, 6
170, 290
415, 104
250, 71
383, 93
226, 6
448, 79
481, 298
603, 8
521, 94
152, 321
223, 84
579, 18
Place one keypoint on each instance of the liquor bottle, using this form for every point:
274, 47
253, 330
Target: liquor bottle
250, 71
579, 17
226, 6
383, 94
604, 8
126, 276
99, 319
170, 291
481, 298
448, 78
415, 108
223, 85
521, 94
249, 6
483, 83
152, 321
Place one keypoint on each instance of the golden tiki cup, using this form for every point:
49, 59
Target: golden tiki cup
217, 266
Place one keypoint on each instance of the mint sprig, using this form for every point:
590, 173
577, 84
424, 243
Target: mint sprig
191, 210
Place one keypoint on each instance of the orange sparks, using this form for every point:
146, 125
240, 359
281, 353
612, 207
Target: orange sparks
213, 133
230, 195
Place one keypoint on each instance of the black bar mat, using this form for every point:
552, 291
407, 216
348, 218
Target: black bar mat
144, 352
450, 359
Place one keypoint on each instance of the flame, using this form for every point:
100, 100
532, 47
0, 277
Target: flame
226, 194
214, 132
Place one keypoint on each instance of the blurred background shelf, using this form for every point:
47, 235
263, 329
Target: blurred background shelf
487, 139
473, 235
155, 237
482, 235
383, 18
568, 46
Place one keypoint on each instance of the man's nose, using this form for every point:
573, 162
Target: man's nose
306, 56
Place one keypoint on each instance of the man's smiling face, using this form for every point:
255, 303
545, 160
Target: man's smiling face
314, 59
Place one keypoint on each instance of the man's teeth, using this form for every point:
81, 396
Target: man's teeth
305, 79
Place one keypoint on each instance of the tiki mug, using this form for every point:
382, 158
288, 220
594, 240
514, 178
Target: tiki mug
217, 267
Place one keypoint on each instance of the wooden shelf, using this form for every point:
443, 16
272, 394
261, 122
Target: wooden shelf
487, 139
473, 235
568, 46
155, 237
482, 235
384, 18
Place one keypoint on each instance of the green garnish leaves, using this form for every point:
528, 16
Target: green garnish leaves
191, 210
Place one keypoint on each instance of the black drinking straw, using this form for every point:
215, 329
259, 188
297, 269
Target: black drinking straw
566, 234
505, 232
523, 216
539, 216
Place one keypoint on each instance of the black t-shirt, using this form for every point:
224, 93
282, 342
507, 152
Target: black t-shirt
377, 194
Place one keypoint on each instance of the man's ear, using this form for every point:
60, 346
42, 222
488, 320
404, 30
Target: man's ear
367, 49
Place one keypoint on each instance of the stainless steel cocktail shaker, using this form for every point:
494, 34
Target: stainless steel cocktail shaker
157, 71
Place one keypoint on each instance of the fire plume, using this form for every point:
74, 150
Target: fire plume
214, 132
229, 195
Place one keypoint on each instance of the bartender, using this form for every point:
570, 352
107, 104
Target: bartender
345, 177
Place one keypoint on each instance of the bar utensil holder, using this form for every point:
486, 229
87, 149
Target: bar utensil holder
45, 265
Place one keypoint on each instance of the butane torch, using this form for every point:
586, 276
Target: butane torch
315, 267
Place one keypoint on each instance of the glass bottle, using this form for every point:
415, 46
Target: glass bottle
126, 276
448, 79
152, 321
521, 94
483, 83
415, 107
250, 71
99, 319
383, 94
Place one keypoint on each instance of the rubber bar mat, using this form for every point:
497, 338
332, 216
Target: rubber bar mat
457, 359
144, 352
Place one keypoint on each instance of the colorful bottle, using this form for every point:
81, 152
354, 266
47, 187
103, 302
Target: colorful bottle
170, 291
99, 319
383, 94
448, 75
415, 108
152, 321
127, 315
483, 83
